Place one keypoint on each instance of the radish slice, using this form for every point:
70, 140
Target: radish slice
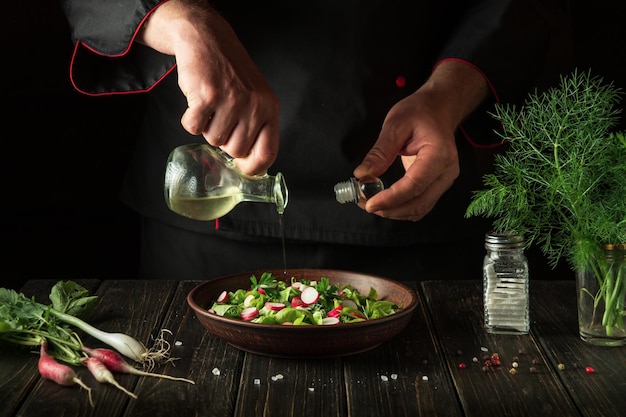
223, 297
275, 306
309, 296
297, 302
249, 313
335, 312
247, 302
329, 321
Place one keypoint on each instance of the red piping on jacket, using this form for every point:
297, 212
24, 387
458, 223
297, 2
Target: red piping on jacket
132, 40
493, 91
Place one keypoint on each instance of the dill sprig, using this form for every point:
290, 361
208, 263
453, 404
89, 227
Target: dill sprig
562, 180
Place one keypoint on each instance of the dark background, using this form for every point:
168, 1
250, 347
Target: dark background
63, 154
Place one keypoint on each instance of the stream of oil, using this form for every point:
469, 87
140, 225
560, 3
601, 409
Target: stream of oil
282, 235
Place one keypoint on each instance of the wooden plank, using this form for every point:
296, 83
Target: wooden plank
198, 353
403, 377
131, 307
533, 390
18, 366
275, 387
555, 323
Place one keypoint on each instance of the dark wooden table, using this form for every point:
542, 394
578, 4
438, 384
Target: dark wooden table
436, 367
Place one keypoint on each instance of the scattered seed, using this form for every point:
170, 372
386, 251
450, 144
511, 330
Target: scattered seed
532, 370
257, 381
561, 366
394, 376
515, 364
215, 371
384, 378
311, 389
178, 343
512, 371
475, 359
484, 349
425, 378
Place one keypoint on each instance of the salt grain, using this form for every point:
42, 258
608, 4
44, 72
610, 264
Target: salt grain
215, 371
394, 376
384, 378
425, 378
178, 343
257, 381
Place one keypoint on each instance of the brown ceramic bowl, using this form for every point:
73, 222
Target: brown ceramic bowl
305, 341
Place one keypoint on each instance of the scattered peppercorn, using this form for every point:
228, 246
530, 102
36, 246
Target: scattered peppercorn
462, 365
590, 370
561, 366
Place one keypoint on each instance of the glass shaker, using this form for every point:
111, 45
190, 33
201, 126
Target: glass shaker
203, 183
505, 284
355, 191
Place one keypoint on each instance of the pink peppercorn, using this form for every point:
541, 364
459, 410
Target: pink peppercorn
590, 370
462, 365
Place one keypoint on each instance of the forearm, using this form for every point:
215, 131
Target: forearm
456, 88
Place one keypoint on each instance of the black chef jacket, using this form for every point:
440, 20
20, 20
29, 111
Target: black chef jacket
334, 66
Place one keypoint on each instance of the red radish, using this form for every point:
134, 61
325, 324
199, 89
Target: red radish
309, 296
296, 302
102, 374
329, 321
249, 313
116, 363
60, 373
223, 297
274, 306
247, 302
335, 312
261, 290
296, 285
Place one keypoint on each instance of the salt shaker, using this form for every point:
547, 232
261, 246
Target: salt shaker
505, 284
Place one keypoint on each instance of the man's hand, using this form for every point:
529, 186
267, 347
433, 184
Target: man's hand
420, 129
229, 101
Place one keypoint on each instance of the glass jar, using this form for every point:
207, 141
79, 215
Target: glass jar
601, 303
203, 183
505, 284
355, 191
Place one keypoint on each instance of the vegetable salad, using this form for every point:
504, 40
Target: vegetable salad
300, 302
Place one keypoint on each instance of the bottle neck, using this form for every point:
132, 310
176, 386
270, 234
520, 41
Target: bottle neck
266, 189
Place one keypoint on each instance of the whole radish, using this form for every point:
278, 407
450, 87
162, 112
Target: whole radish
103, 374
116, 363
60, 373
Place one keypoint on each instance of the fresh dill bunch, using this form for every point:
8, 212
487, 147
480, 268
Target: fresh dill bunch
562, 180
